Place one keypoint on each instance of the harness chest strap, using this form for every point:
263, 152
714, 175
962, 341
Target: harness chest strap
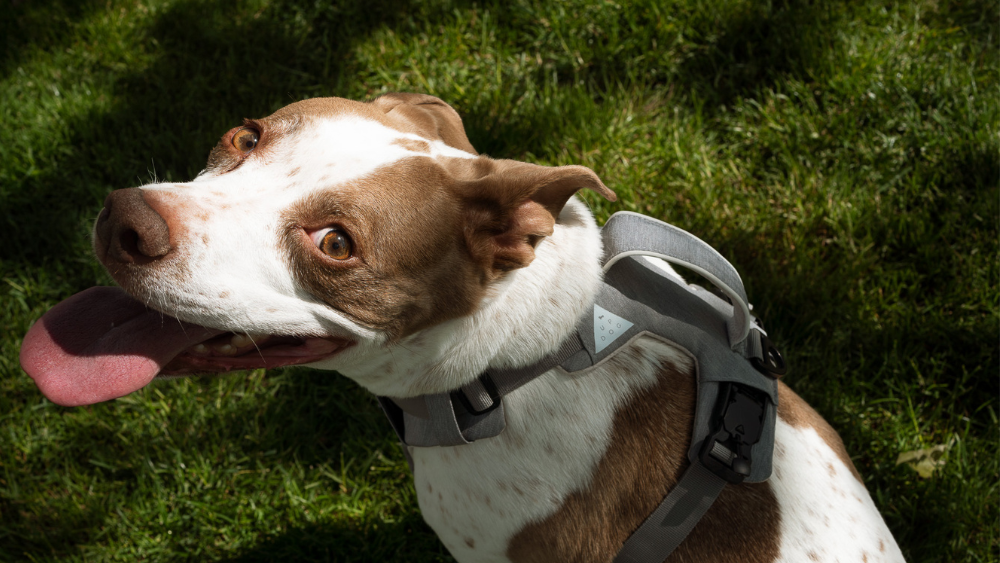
735, 410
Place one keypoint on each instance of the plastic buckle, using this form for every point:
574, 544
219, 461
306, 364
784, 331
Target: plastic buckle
738, 423
773, 363
491, 390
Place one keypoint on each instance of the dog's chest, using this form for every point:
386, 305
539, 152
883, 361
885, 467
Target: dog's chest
478, 496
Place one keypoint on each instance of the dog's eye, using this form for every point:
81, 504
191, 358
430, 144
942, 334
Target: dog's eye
336, 245
245, 140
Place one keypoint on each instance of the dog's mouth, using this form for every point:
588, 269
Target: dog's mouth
233, 351
101, 344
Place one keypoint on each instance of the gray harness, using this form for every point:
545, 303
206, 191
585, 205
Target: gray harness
736, 368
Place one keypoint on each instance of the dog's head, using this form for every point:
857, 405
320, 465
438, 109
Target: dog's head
329, 225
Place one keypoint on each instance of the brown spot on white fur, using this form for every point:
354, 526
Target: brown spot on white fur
796, 412
428, 236
414, 145
408, 269
647, 456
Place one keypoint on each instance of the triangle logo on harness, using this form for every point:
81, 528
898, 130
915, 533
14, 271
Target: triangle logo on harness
607, 327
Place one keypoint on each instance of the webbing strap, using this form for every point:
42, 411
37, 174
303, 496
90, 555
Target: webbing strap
674, 519
507, 380
471, 413
630, 234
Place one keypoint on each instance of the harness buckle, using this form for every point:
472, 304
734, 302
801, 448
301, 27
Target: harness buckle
738, 424
491, 390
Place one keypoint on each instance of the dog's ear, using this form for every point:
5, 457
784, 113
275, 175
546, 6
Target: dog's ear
509, 206
426, 116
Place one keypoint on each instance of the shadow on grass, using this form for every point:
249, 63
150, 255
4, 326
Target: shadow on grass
43, 24
391, 542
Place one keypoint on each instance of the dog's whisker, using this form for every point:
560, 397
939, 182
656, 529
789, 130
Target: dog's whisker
254, 342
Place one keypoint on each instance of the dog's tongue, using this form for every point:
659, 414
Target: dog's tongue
101, 344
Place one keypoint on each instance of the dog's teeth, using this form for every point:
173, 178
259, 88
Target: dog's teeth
199, 349
241, 340
226, 350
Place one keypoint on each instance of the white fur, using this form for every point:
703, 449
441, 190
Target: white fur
827, 515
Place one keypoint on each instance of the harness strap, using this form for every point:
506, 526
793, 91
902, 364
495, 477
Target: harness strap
674, 519
629, 234
506, 381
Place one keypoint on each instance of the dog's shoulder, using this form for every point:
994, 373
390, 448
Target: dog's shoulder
646, 457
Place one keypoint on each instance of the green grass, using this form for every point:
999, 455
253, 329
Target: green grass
844, 155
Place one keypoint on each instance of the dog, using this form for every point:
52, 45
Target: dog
372, 239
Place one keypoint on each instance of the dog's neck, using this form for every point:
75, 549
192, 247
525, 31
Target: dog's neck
524, 316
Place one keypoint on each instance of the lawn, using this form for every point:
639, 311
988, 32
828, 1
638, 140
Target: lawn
844, 155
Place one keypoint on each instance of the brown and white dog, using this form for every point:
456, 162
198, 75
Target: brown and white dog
372, 239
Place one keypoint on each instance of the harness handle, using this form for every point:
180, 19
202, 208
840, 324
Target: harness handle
630, 234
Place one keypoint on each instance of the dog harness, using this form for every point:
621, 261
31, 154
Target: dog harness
736, 367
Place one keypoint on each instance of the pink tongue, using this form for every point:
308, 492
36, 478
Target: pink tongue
101, 344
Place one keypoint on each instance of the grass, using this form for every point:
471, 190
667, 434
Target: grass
843, 154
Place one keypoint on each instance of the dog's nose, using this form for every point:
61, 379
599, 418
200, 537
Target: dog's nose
129, 230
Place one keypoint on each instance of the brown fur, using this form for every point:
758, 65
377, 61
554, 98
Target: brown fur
426, 116
510, 206
648, 454
408, 269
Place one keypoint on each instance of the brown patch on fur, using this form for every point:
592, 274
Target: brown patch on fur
647, 456
408, 269
427, 236
796, 412
420, 114
426, 116
413, 145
